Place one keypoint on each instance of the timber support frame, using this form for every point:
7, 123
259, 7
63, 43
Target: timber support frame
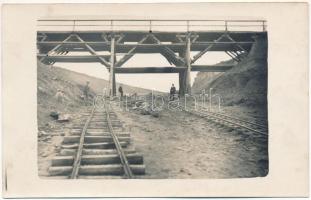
113, 48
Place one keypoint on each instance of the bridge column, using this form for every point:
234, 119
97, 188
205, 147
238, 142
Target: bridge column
188, 65
112, 77
181, 83
182, 76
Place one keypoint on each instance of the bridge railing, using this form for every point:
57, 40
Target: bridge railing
150, 25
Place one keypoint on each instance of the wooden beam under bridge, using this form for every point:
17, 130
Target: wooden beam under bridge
199, 68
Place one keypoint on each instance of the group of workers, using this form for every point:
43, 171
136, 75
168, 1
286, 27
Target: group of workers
60, 96
120, 89
87, 88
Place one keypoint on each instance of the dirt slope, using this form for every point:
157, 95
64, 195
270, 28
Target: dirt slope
243, 85
50, 79
203, 79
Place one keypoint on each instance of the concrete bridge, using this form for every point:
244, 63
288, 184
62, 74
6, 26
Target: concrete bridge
104, 40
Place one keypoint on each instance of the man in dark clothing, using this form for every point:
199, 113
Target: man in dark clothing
86, 90
172, 92
121, 91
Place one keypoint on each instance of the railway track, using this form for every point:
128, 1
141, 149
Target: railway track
259, 121
228, 121
98, 148
261, 128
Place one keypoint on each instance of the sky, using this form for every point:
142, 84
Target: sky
159, 82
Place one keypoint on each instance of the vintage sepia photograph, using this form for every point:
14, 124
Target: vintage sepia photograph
138, 98
155, 99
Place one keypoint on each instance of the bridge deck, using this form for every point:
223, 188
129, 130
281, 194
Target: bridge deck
145, 48
201, 68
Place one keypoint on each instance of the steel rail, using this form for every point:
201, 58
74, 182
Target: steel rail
241, 120
233, 123
230, 117
123, 159
77, 159
219, 118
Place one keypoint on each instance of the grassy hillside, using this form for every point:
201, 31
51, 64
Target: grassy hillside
50, 79
246, 83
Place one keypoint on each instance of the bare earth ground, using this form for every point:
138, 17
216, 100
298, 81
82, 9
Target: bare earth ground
180, 145
176, 145
49, 143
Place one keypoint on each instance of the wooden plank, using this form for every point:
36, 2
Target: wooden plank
70, 59
211, 68
125, 70
90, 139
149, 48
71, 152
202, 68
114, 169
102, 145
160, 45
133, 158
134, 36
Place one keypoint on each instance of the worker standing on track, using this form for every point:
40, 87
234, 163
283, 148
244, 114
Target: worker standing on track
121, 91
172, 92
105, 92
86, 90
59, 96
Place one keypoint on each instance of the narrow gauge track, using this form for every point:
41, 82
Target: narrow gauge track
253, 121
231, 122
100, 149
252, 126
